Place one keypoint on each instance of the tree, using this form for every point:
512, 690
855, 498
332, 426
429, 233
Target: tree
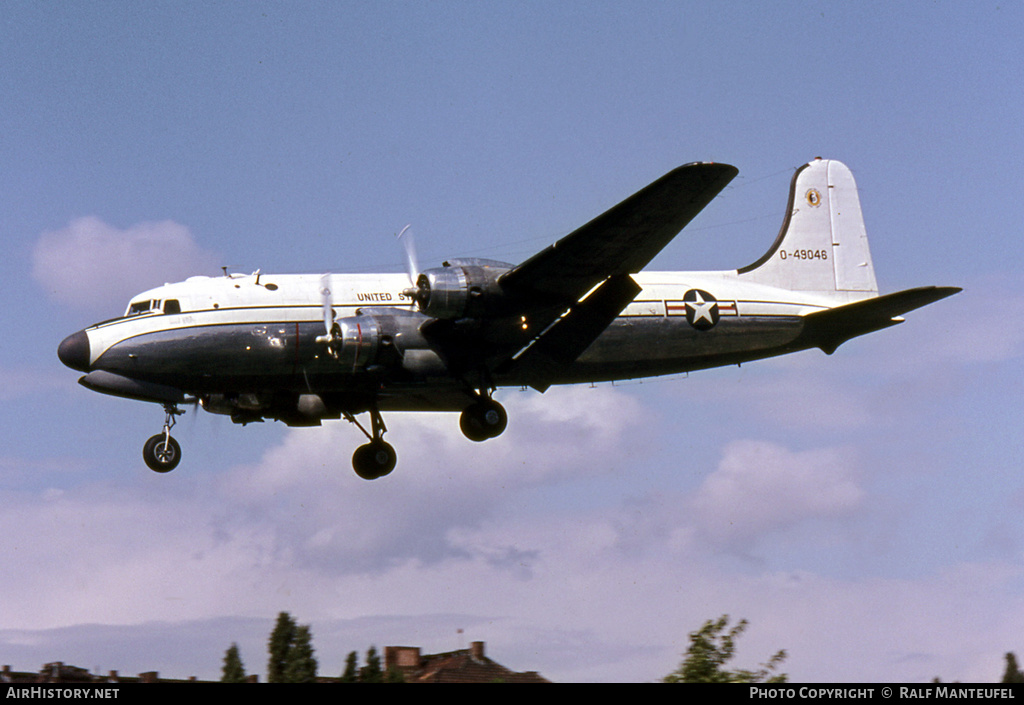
300, 665
371, 672
351, 673
281, 640
711, 647
234, 671
1012, 674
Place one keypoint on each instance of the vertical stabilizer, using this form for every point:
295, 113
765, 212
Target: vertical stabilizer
822, 245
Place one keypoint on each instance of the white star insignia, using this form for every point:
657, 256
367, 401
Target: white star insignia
702, 309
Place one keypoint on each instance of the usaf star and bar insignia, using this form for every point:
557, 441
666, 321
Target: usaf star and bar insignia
702, 310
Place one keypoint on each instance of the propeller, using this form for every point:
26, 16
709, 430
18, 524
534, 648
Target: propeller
411, 264
327, 302
414, 292
327, 305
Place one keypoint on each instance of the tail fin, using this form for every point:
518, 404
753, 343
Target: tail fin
822, 246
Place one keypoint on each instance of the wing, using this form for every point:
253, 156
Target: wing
546, 290
621, 241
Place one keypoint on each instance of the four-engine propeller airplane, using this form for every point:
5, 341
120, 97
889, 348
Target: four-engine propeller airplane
303, 348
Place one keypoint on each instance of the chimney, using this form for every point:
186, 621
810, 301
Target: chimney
401, 657
476, 650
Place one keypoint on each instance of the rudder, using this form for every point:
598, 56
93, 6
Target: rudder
822, 245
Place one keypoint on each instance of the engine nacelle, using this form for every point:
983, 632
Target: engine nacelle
378, 339
460, 289
355, 341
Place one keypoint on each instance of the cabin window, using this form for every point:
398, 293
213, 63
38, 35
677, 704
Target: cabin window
172, 306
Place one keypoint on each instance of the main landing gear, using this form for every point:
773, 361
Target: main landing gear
376, 458
484, 418
161, 452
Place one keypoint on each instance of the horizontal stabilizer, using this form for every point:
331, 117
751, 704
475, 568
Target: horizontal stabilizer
830, 329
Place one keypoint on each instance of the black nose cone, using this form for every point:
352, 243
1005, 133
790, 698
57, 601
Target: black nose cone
74, 351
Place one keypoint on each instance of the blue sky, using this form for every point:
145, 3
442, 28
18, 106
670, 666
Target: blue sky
862, 511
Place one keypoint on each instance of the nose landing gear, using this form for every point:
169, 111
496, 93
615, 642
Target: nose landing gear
161, 452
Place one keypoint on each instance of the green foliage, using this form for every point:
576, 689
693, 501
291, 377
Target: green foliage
351, 673
234, 671
711, 647
1012, 674
280, 643
300, 665
291, 652
371, 672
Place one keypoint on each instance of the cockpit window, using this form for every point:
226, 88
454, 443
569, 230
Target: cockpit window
137, 308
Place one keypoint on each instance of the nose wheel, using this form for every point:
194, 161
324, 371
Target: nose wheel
161, 452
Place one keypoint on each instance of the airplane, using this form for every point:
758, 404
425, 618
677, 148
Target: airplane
302, 348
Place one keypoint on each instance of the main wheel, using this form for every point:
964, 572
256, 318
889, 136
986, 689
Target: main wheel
373, 460
483, 419
161, 453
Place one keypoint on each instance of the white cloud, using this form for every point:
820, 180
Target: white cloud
443, 481
297, 522
760, 487
458, 537
94, 266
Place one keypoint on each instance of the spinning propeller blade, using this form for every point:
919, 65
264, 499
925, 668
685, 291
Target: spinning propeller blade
327, 302
411, 264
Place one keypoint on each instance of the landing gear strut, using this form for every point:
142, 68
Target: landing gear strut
161, 452
376, 458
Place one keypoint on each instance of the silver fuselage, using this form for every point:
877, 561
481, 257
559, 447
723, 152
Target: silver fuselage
258, 335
